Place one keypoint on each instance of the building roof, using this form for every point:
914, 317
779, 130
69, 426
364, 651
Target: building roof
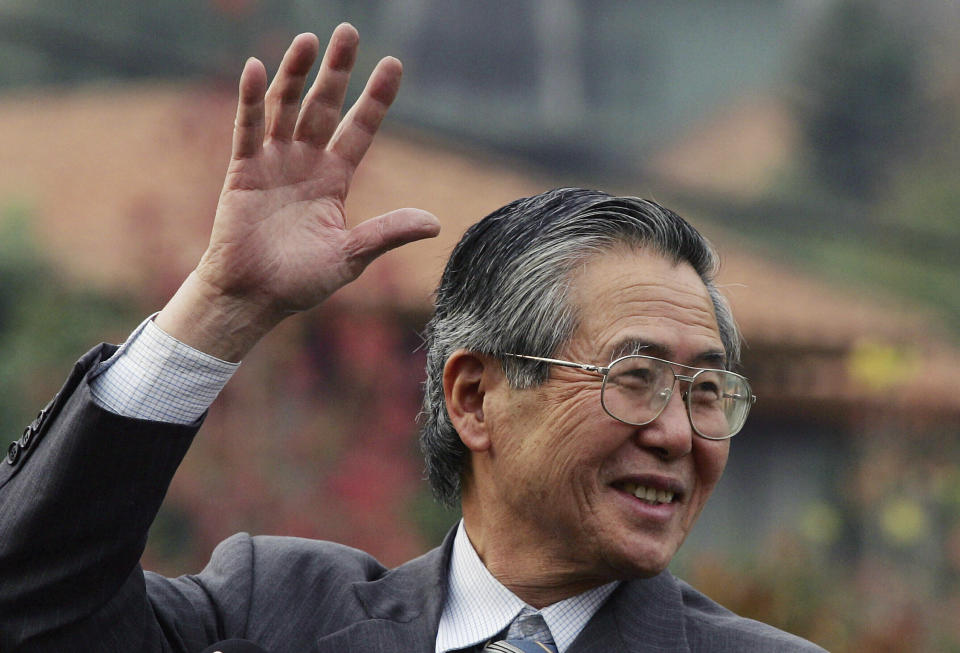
123, 182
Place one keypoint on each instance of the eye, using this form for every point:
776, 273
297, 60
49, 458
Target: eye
637, 378
705, 390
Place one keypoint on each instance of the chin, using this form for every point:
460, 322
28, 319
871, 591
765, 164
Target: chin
641, 562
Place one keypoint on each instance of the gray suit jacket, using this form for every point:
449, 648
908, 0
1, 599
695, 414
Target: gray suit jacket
78, 494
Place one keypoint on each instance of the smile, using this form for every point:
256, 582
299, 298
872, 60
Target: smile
645, 493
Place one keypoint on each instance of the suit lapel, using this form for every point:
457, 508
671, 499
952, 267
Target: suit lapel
403, 607
403, 613
641, 615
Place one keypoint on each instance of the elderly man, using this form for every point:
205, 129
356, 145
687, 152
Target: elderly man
579, 406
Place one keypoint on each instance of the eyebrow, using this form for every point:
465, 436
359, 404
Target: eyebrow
711, 358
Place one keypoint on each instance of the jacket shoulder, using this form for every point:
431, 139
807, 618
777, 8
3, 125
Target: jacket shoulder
711, 627
266, 588
298, 558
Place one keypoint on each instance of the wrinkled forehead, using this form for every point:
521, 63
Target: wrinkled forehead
627, 298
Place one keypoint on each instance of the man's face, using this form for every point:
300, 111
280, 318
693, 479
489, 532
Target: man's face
565, 473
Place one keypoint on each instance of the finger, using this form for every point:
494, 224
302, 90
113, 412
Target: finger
370, 239
283, 96
359, 126
248, 127
320, 112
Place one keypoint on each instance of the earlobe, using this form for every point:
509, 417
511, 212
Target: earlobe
464, 389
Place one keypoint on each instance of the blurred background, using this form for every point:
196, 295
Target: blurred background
814, 141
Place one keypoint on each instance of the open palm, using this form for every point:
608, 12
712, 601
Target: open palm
280, 241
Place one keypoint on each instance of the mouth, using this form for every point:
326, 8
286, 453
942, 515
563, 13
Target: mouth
647, 493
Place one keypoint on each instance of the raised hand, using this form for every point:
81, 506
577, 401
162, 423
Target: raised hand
280, 242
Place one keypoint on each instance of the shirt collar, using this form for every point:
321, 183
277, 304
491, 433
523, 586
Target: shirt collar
479, 607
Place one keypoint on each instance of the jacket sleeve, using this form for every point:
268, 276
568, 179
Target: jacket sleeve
78, 492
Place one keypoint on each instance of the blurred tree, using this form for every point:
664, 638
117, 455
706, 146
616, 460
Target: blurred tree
45, 324
859, 99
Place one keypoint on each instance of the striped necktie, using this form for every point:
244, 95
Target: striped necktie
519, 646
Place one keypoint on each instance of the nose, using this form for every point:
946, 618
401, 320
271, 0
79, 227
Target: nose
671, 434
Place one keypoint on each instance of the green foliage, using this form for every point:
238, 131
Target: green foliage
432, 519
875, 202
860, 96
45, 324
893, 585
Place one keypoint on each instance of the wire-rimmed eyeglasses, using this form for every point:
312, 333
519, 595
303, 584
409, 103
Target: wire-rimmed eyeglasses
637, 388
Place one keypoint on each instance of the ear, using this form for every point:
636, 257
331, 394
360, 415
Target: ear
466, 377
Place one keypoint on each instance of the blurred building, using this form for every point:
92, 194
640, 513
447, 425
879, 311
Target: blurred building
123, 182
316, 434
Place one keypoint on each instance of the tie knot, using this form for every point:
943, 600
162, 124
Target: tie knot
527, 634
529, 624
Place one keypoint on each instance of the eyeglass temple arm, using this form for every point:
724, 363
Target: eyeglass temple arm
556, 361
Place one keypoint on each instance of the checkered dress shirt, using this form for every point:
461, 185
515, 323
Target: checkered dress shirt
479, 607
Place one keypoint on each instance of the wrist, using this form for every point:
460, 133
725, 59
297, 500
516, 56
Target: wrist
209, 320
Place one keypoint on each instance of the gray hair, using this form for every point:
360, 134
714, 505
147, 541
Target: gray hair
505, 289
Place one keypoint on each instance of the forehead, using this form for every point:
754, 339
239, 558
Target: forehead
628, 296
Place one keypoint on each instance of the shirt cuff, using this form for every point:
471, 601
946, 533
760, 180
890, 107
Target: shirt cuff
154, 376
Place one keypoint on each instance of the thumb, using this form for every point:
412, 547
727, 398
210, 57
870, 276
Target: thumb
371, 238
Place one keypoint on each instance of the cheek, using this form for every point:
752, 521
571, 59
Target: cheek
559, 428
710, 459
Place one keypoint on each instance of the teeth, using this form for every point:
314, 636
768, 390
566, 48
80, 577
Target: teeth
648, 494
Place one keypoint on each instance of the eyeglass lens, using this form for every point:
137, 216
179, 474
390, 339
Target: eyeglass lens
637, 389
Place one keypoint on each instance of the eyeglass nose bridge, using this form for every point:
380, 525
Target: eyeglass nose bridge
687, 379
667, 393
